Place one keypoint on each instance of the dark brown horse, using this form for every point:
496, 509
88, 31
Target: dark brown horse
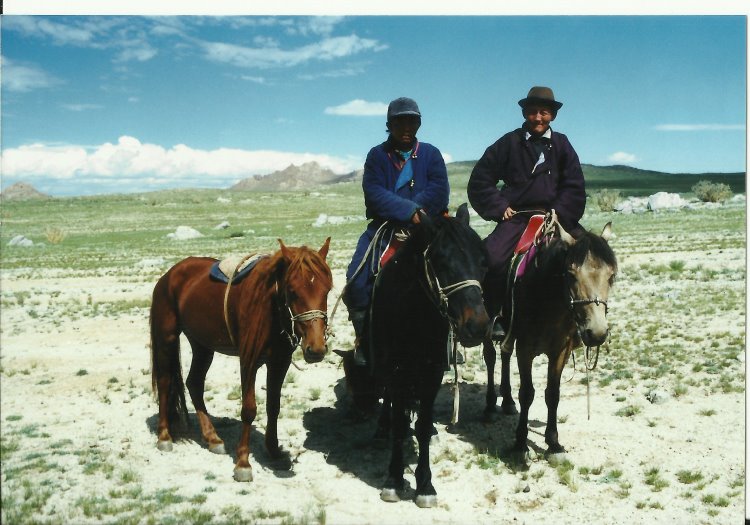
560, 302
280, 304
427, 291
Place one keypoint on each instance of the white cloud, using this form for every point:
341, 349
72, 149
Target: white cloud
130, 161
267, 57
21, 78
81, 107
359, 108
700, 127
621, 157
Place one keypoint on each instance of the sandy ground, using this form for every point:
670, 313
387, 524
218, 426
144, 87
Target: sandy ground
78, 390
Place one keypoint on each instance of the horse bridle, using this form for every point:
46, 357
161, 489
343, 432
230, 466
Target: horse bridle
303, 317
440, 294
583, 302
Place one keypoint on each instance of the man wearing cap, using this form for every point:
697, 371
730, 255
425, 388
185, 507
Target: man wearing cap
540, 170
403, 178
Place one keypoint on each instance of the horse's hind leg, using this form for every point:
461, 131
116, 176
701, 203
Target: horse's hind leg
196, 382
490, 358
166, 370
508, 406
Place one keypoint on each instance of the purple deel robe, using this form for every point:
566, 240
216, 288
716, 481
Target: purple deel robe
556, 183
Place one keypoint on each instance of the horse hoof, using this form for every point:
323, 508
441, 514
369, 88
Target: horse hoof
164, 445
389, 495
556, 457
243, 474
509, 409
426, 501
217, 448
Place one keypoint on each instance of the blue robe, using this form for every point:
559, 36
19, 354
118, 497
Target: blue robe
428, 189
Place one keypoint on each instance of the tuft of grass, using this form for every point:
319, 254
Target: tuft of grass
628, 411
654, 480
687, 476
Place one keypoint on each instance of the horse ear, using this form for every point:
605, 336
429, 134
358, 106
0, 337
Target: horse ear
463, 213
565, 236
342, 353
324, 249
286, 252
607, 231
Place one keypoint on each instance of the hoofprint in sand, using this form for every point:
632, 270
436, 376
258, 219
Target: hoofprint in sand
78, 417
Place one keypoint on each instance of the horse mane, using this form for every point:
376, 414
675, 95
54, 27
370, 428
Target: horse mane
556, 254
257, 308
597, 246
309, 263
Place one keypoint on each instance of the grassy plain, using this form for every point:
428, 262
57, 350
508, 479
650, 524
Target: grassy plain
77, 419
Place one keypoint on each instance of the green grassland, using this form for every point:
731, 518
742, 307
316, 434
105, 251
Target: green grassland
116, 230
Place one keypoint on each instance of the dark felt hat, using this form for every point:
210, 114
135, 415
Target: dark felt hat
540, 95
403, 106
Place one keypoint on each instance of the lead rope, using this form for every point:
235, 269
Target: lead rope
375, 240
452, 349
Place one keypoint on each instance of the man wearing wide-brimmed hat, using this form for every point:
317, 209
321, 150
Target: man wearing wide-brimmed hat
540, 170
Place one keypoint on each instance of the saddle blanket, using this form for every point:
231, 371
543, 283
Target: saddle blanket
222, 270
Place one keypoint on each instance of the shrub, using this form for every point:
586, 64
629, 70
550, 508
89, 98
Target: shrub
55, 235
707, 191
606, 200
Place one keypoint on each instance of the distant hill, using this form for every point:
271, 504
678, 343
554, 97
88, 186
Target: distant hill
307, 176
634, 181
630, 181
22, 191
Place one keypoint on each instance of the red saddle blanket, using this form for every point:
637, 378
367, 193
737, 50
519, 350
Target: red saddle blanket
533, 228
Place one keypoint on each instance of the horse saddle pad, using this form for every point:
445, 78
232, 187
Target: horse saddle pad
533, 228
236, 266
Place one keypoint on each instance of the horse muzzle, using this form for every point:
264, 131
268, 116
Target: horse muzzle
472, 326
312, 354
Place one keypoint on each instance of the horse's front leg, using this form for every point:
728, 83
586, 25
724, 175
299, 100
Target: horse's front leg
552, 399
426, 496
383, 430
242, 469
276, 371
490, 358
525, 396
394, 483
196, 382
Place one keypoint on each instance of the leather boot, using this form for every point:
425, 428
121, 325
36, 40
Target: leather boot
357, 317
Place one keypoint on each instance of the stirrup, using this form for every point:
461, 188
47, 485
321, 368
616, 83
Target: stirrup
498, 332
359, 356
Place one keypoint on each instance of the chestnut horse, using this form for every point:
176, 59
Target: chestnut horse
560, 302
282, 303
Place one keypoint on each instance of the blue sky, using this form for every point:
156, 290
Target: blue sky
101, 104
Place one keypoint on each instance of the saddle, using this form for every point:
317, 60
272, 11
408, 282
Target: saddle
397, 239
234, 268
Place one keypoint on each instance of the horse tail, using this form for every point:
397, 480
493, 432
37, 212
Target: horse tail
166, 369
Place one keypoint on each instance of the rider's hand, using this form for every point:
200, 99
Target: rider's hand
415, 219
509, 212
